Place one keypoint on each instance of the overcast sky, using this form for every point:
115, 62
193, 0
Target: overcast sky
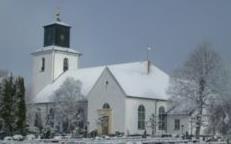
116, 31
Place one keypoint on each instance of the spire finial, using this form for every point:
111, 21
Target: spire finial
148, 62
57, 15
148, 50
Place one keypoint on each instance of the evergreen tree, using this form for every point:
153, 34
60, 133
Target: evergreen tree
12, 106
1, 103
20, 105
7, 111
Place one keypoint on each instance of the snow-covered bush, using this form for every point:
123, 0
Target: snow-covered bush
98, 138
18, 137
58, 137
67, 136
30, 137
33, 130
8, 138
47, 133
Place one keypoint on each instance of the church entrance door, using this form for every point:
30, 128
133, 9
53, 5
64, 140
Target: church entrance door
104, 119
105, 125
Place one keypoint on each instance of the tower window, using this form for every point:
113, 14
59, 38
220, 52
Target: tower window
65, 64
43, 65
141, 117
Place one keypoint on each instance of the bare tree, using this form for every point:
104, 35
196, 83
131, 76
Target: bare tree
152, 123
197, 81
67, 110
219, 108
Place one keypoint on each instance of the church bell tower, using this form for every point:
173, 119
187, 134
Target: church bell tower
57, 34
55, 57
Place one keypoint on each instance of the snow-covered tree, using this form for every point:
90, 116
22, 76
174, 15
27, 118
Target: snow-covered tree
3, 74
219, 108
152, 123
12, 105
198, 81
67, 107
20, 111
7, 108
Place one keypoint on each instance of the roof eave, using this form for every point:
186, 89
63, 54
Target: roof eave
157, 99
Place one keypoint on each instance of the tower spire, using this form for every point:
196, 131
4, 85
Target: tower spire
57, 15
148, 50
148, 62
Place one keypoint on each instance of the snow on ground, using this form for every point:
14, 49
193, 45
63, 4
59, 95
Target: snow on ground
99, 140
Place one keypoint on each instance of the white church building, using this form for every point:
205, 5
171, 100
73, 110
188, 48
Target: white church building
125, 96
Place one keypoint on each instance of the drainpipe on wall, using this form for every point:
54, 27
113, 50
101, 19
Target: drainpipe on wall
156, 116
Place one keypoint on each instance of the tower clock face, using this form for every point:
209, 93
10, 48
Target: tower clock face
62, 37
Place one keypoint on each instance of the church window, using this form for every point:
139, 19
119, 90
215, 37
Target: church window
50, 118
106, 106
106, 82
162, 119
43, 64
65, 64
141, 117
177, 124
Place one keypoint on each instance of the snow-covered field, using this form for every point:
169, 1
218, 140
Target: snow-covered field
108, 141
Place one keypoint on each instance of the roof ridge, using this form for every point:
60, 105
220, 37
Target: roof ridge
112, 65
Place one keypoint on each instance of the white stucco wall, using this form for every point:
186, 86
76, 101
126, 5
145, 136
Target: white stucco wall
59, 56
184, 121
131, 117
41, 78
111, 94
189, 123
53, 67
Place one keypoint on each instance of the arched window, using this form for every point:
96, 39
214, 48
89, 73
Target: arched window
162, 119
65, 64
43, 64
106, 106
141, 117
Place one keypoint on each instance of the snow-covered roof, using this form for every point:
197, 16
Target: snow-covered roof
87, 76
132, 78
60, 23
56, 48
135, 81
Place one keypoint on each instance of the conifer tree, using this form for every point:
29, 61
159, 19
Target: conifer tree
20, 105
7, 113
